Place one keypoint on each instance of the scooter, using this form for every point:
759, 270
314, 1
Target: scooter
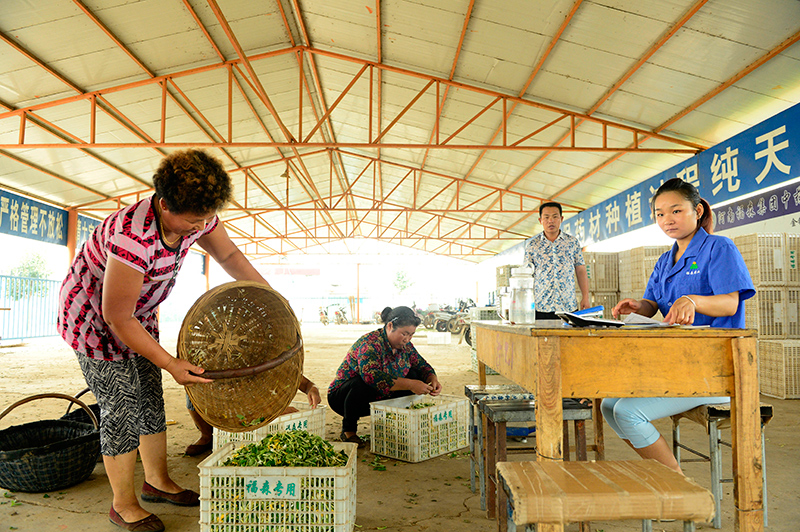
323, 315
340, 315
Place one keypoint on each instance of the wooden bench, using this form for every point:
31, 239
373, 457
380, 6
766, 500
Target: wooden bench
566, 492
715, 418
476, 392
498, 414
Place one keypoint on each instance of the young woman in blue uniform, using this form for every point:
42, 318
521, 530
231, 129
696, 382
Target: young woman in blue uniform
702, 280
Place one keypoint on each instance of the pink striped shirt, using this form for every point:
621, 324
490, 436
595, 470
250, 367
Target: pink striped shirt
130, 235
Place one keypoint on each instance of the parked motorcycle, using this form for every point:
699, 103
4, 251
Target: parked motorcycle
340, 316
323, 315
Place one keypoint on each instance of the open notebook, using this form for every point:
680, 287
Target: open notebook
631, 320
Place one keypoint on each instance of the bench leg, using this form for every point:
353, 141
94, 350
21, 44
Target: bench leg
647, 525
676, 440
472, 462
597, 424
482, 458
500, 456
580, 440
491, 468
764, 473
715, 462
688, 526
565, 435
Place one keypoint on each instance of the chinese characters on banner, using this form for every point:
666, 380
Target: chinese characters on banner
21, 216
763, 156
85, 228
776, 202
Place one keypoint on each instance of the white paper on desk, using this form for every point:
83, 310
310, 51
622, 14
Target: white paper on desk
637, 320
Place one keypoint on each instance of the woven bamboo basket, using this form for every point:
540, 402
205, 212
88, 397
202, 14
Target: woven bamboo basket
48, 455
247, 339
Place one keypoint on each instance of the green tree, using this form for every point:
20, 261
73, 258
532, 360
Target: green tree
402, 281
32, 266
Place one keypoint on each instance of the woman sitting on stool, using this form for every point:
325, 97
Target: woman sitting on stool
702, 280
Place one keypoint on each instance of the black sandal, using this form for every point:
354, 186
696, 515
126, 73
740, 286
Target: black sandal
352, 439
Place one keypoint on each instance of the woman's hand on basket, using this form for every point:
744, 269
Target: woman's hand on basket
180, 370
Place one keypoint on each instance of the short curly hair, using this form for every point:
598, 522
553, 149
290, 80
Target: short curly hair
192, 181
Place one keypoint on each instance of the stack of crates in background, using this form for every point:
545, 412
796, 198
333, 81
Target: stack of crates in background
772, 259
504, 274
635, 267
481, 314
291, 499
416, 434
779, 368
603, 272
306, 418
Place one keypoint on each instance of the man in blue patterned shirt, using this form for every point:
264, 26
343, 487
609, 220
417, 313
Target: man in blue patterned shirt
557, 260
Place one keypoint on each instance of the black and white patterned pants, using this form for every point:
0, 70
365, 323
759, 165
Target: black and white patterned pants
131, 401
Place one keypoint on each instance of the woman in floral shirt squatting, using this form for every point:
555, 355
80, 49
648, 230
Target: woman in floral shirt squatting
382, 364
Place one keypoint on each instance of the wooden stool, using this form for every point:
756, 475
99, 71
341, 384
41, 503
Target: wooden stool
498, 413
565, 492
715, 418
476, 392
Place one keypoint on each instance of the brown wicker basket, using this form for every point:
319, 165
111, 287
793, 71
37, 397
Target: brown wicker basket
247, 338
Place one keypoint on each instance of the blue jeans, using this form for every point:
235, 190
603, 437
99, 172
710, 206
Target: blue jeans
631, 417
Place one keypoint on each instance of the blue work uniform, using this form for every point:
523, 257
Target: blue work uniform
711, 265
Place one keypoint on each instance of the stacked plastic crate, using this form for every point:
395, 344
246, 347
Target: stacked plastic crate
482, 314
771, 259
635, 267
603, 272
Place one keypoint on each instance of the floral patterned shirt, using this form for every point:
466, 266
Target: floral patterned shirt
554, 271
373, 359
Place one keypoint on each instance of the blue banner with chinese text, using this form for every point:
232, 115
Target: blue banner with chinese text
761, 157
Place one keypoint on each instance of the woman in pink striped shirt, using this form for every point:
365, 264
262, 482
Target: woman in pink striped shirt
108, 305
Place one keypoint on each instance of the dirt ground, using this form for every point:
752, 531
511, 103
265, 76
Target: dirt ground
432, 495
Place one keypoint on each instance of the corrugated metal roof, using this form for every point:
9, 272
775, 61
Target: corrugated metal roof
439, 125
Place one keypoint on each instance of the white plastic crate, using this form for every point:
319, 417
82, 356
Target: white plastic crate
504, 274
764, 254
792, 259
308, 419
636, 265
289, 499
484, 314
438, 338
792, 316
766, 312
607, 299
602, 269
779, 368
417, 435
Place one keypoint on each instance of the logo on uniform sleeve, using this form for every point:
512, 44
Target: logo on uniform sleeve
694, 269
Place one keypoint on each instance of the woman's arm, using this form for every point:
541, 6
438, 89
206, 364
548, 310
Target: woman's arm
311, 390
645, 307
122, 286
222, 249
685, 307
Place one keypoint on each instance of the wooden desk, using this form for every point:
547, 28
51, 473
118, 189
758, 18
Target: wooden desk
553, 363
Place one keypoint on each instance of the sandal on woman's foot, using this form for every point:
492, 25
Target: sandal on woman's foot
151, 523
352, 439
